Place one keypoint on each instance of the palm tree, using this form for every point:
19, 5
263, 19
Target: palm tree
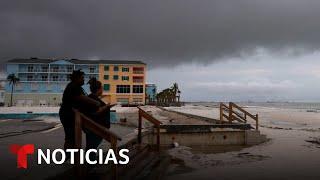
13, 80
176, 91
169, 95
160, 98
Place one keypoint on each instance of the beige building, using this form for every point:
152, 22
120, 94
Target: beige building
123, 83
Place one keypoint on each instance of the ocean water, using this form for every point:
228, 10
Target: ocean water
282, 105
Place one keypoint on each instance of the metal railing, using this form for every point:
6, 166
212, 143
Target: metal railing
82, 121
235, 112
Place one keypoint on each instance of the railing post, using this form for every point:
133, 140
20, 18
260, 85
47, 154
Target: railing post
139, 127
158, 137
221, 113
78, 141
257, 122
230, 112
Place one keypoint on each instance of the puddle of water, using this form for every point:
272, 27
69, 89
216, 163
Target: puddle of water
180, 155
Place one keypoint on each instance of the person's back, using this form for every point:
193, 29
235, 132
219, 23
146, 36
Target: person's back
71, 91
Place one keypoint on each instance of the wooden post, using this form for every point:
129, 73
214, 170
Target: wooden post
78, 141
230, 112
139, 127
114, 166
158, 137
257, 122
221, 113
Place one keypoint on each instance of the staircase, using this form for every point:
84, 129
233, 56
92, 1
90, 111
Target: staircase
145, 163
234, 112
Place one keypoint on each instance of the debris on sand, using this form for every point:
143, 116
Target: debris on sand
314, 140
252, 157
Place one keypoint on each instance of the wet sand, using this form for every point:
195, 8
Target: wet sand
293, 151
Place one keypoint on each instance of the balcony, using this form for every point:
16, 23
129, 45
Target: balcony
43, 80
45, 70
138, 70
32, 68
59, 80
61, 70
33, 71
137, 79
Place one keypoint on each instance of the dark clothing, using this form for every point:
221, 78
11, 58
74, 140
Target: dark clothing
103, 119
92, 140
66, 113
72, 90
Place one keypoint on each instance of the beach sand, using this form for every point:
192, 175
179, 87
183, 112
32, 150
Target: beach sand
292, 152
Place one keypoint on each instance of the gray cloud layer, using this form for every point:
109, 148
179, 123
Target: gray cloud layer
162, 33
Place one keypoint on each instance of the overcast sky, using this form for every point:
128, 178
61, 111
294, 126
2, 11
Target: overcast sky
216, 49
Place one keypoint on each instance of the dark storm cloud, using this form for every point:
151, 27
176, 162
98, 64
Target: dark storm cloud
163, 32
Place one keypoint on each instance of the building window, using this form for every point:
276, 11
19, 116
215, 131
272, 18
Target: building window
106, 68
92, 69
62, 79
30, 68
55, 78
115, 77
138, 70
106, 87
44, 68
138, 79
123, 88
125, 78
106, 77
115, 68
69, 69
125, 69
44, 78
137, 88
55, 69
30, 78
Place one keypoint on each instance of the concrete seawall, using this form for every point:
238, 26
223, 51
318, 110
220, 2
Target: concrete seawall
209, 135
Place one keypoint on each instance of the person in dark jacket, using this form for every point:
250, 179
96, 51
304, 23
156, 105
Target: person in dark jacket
74, 97
102, 116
